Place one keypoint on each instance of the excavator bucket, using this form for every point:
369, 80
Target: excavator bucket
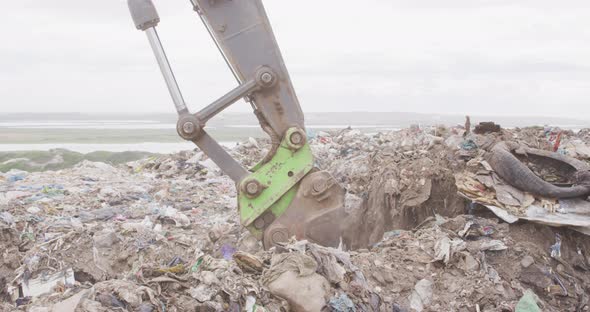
287, 197
315, 214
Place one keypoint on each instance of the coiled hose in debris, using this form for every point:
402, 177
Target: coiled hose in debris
517, 174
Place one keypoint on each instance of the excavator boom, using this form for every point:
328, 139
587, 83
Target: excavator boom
284, 195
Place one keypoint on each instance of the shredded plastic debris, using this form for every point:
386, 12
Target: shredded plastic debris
430, 228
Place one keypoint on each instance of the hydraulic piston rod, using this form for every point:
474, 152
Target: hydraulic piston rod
171, 82
146, 18
216, 107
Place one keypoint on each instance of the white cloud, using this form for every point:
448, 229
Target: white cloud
466, 56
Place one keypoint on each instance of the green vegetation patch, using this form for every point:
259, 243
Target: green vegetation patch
57, 159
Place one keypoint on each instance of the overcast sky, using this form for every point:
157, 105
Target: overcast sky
519, 57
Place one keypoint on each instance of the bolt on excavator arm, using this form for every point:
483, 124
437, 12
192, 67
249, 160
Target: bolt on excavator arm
284, 195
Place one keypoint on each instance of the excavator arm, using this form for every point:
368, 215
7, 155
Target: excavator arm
284, 195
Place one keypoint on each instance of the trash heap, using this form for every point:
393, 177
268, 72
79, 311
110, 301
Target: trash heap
399, 178
482, 184
163, 234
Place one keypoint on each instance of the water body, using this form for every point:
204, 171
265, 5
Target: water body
87, 124
151, 147
151, 124
142, 134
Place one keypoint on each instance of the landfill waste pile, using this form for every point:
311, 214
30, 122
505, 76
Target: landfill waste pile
434, 223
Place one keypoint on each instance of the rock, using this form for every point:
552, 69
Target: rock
422, 295
304, 293
527, 261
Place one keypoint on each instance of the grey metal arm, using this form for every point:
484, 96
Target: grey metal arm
244, 36
242, 32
